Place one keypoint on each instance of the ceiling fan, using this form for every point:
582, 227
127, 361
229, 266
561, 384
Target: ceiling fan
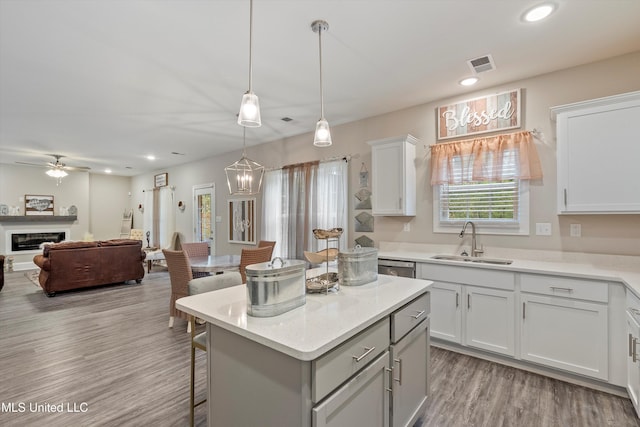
57, 169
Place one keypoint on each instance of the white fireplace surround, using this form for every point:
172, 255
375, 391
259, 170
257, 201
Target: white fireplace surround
10, 233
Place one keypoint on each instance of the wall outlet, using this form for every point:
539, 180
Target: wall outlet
218, 218
407, 226
543, 228
575, 230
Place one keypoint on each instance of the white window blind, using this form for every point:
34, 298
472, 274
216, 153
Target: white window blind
489, 202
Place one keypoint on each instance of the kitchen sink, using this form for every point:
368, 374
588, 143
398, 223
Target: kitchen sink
498, 261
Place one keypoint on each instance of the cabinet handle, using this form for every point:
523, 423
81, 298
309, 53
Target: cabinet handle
557, 288
399, 379
457, 299
468, 301
400, 202
365, 354
565, 197
630, 345
524, 309
418, 315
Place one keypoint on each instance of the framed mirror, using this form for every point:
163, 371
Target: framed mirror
242, 221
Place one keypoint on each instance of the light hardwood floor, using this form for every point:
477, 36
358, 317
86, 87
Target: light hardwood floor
110, 348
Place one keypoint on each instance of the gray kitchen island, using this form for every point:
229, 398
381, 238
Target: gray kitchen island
359, 356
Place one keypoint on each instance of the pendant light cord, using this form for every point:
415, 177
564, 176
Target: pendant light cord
250, 44
321, 91
244, 141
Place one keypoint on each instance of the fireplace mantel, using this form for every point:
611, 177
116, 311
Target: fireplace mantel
15, 219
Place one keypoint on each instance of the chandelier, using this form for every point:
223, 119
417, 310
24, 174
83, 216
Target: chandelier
244, 177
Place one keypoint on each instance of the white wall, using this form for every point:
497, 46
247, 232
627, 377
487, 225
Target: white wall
611, 234
109, 197
17, 181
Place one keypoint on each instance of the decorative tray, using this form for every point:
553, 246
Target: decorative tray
320, 283
324, 255
327, 234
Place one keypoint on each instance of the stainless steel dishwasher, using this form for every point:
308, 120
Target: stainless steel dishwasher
393, 267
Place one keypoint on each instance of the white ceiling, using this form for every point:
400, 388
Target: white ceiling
107, 82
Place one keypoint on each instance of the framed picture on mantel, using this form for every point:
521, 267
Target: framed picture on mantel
38, 205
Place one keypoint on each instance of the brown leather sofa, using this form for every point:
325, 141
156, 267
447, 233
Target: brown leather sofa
1, 272
74, 265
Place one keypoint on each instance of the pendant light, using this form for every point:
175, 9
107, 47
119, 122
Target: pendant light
249, 115
322, 137
244, 177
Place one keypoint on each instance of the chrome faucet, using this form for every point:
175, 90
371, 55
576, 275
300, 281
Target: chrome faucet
474, 248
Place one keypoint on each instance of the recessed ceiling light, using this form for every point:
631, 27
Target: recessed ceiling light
151, 157
539, 12
107, 171
469, 81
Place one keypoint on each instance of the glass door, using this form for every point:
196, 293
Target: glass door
204, 215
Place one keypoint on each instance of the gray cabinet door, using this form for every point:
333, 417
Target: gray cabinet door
410, 376
362, 401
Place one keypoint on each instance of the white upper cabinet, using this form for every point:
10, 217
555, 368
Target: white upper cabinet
598, 155
393, 180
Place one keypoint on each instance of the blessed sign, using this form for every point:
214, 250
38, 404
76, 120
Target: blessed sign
480, 115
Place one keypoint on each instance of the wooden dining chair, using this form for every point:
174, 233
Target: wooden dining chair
199, 341
264, 243
180, 274
253, 256
197, 249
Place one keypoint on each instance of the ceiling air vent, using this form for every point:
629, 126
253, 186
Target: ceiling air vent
481, 64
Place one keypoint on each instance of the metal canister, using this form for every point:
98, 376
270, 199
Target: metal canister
275, 287
357, 266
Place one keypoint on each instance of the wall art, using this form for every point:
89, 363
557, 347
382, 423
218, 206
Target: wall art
161, 180
363, 197
242, 220
364, 222
364, 241
38, 205
489, 113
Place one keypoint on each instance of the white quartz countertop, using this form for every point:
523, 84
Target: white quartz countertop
311, 330
624, 269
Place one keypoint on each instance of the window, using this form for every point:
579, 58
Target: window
499, 207
203, 218
484, 180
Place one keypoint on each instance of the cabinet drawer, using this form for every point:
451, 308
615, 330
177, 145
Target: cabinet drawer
470, 275
335, 367
409, 316
583, 289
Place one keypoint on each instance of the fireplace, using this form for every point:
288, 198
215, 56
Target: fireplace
26, 241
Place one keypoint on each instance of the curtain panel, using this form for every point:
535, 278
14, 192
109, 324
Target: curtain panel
159, 216
297, 199
486, 157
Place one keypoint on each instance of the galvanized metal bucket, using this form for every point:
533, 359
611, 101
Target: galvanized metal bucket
275, 287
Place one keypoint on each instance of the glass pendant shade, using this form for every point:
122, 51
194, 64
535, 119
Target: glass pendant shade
249, 115
244, 177
322, 137
56, 173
